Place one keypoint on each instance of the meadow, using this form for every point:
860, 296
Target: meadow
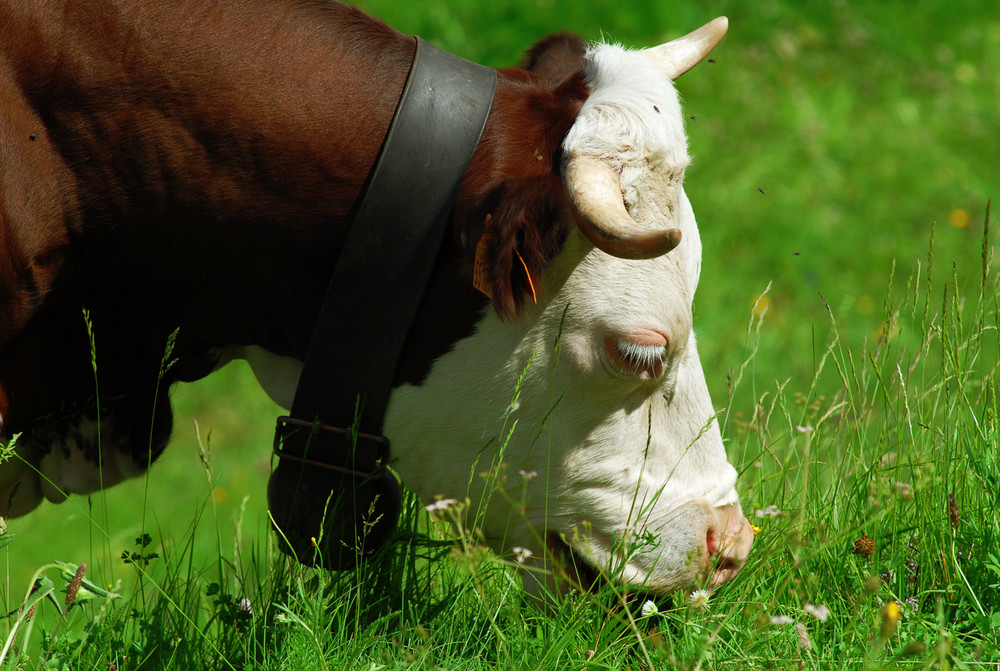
847, 319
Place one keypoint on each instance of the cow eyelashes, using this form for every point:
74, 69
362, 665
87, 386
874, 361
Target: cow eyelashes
648, 359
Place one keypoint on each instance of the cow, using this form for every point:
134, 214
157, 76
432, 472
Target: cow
177, 181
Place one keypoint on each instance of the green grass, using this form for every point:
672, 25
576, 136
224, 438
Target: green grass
828, 140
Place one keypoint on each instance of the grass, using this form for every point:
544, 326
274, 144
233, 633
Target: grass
860, 401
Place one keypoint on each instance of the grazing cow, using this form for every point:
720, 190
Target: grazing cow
187, 172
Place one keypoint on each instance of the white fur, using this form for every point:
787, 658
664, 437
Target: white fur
64, 466
277, 375
614, 458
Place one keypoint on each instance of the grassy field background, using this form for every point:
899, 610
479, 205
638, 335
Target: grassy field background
830, 140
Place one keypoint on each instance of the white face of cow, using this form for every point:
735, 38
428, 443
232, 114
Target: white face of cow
612, 412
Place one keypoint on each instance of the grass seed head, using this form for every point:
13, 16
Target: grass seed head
864, 546
75, 583
804, 641
953, 514
872, 584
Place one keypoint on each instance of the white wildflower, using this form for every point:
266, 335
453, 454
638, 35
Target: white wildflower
804, 429
771, 511
528, 475
521, 554
698, 599
649, 608
440, 504
781, 620
821, 612
903, 489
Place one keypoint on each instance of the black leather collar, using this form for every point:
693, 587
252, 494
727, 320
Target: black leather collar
331, 496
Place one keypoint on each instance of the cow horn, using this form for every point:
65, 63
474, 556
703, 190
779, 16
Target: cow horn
596, 195
678, 56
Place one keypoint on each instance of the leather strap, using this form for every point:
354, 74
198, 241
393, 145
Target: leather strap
383, 270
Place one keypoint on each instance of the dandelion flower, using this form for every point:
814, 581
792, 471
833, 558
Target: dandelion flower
698, 599
755, 529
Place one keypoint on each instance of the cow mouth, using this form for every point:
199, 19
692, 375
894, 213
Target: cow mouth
583, 574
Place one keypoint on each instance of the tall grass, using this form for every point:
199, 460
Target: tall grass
861, 401
875, 486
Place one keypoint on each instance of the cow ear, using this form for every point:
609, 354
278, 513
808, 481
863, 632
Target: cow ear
556, 57
525, 230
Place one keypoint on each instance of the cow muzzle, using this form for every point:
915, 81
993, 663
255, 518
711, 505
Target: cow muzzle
727, 544
698, 546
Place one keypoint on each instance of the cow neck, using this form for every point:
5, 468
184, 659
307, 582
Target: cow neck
384, 267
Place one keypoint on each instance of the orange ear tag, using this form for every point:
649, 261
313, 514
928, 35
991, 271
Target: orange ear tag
531, 285
480, 271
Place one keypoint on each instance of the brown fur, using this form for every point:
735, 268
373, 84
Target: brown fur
516, 180
556, 57
194, 164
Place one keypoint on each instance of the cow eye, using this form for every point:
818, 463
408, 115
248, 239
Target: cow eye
644, 360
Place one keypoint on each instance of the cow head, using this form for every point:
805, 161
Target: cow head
610, 447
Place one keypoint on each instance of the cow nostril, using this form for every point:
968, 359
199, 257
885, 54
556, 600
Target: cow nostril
712, 542
727, 549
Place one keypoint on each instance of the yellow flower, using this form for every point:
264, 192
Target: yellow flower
959, 218
892, 611
890, 618
755, 528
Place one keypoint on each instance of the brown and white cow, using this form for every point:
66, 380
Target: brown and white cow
191, 166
